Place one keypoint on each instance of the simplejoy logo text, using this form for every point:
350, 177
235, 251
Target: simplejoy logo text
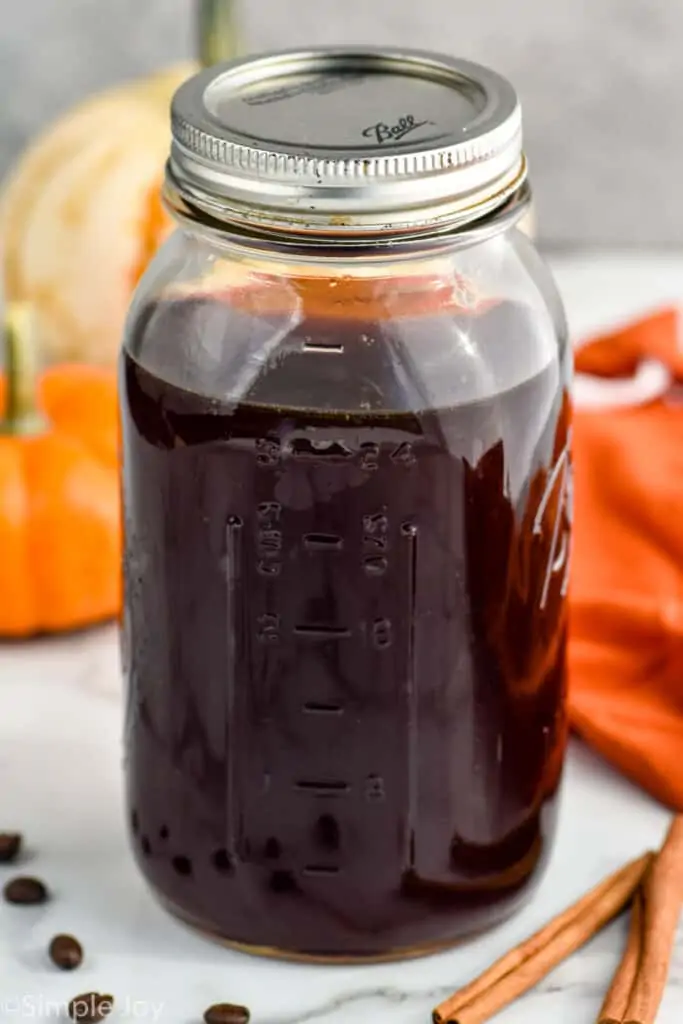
38, 1007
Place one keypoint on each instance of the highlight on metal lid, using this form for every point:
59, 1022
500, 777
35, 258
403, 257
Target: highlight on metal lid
353, 140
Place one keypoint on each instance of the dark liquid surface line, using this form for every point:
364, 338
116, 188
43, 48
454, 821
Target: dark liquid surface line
409, 532
233, 573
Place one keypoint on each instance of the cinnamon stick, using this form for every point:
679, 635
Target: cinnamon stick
662, 901
616, 1000
523, 967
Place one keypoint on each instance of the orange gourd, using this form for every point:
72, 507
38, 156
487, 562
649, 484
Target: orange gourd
60, 530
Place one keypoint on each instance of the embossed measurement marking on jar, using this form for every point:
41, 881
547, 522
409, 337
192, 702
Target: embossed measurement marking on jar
323, 787
233, 573
375, 543
319, 632
409, 531
382, 634
404, 455
313, 707
374, 789
369, 456
315, 346
320, 448
269, 538
268, 452
323, 542
268, 628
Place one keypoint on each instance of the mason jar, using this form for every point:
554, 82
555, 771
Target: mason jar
347, 483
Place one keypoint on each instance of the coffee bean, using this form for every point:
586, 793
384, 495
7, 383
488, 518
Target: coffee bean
226, 1013
10, 844
25, 890
90, 1008
66, 952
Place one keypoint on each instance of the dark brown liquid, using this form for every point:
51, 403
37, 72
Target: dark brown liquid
344, 640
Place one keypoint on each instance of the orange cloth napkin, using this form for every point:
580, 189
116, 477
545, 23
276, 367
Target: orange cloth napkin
626, 596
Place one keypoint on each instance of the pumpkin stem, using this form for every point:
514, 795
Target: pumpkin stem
218, 32
21, 372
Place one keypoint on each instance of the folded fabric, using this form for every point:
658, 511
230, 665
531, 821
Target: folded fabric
626, 595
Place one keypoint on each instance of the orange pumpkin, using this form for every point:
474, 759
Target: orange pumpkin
60, 531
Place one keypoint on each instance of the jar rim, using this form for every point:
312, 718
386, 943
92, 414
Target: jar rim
225, 230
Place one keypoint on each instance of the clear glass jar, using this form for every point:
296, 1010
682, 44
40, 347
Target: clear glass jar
347, 512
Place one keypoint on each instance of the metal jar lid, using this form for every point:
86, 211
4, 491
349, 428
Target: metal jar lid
346, 141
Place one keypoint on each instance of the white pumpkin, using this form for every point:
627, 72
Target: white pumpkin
80, 216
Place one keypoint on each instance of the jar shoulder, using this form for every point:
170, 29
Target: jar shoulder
436, 329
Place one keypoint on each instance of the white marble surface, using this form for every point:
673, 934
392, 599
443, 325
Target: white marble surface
60, 783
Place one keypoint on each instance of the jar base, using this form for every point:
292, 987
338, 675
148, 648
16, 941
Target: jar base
342, 959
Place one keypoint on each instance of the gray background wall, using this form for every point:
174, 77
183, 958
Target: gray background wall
601, 83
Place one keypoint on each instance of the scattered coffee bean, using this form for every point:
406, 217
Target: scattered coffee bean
226, 1013
90, 1008
10, 844
66, 952
25, 890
